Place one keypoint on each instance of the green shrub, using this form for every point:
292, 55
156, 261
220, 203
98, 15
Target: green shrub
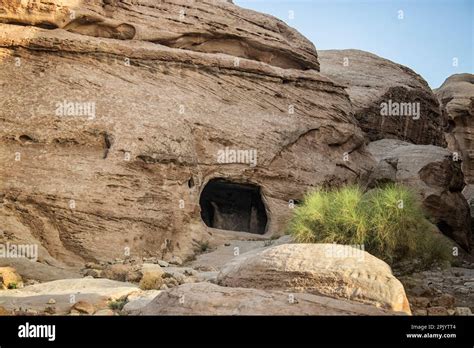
12, 286
388, 221
118, 304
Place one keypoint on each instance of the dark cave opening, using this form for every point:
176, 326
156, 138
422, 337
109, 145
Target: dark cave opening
232, 206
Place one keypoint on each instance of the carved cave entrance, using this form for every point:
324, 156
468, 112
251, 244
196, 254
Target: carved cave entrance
231, 206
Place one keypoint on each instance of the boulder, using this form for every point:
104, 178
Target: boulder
433, 174
126, 111
331, 270
456, 96
83, 307
386, 97
211, 299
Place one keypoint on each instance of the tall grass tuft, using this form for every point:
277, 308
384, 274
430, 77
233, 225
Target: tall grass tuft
388, 221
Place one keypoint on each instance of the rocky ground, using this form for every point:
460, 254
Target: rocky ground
234, 278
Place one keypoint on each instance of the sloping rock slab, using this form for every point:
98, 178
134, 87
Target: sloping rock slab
211, 299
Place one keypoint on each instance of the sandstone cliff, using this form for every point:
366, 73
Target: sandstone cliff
171, 84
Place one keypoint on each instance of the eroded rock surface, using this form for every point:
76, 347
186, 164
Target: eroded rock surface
331, 270
203, 26
433, 174
211, 299
374, 82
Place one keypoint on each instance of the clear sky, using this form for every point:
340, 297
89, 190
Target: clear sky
428, 38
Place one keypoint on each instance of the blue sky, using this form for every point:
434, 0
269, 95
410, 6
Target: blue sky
428, 38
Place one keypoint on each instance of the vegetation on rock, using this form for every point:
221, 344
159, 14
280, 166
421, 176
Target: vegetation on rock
387, 221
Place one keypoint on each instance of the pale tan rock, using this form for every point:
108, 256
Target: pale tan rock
370, 81
83, 307
211, 299
463, 311
432, 174
324, 269
104, 312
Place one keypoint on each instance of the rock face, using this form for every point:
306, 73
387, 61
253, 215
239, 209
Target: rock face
456, 95
211, 299
120, 113
434, 175
386, 97
330, 270
203, 26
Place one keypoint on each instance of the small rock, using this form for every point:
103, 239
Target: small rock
205, 268
3, 311
116, 272
30, 282
445, 300
179, 277
93, 265
451, 311
420, 312
51, 301
190, 272
462, 290
170, 282
422, 302
50, 310
176, 260
437, 311
83, 307
94, 273
104, 312
463, 311
163, 263
469, 285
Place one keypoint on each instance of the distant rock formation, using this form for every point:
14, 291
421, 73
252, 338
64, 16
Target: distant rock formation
389, 99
